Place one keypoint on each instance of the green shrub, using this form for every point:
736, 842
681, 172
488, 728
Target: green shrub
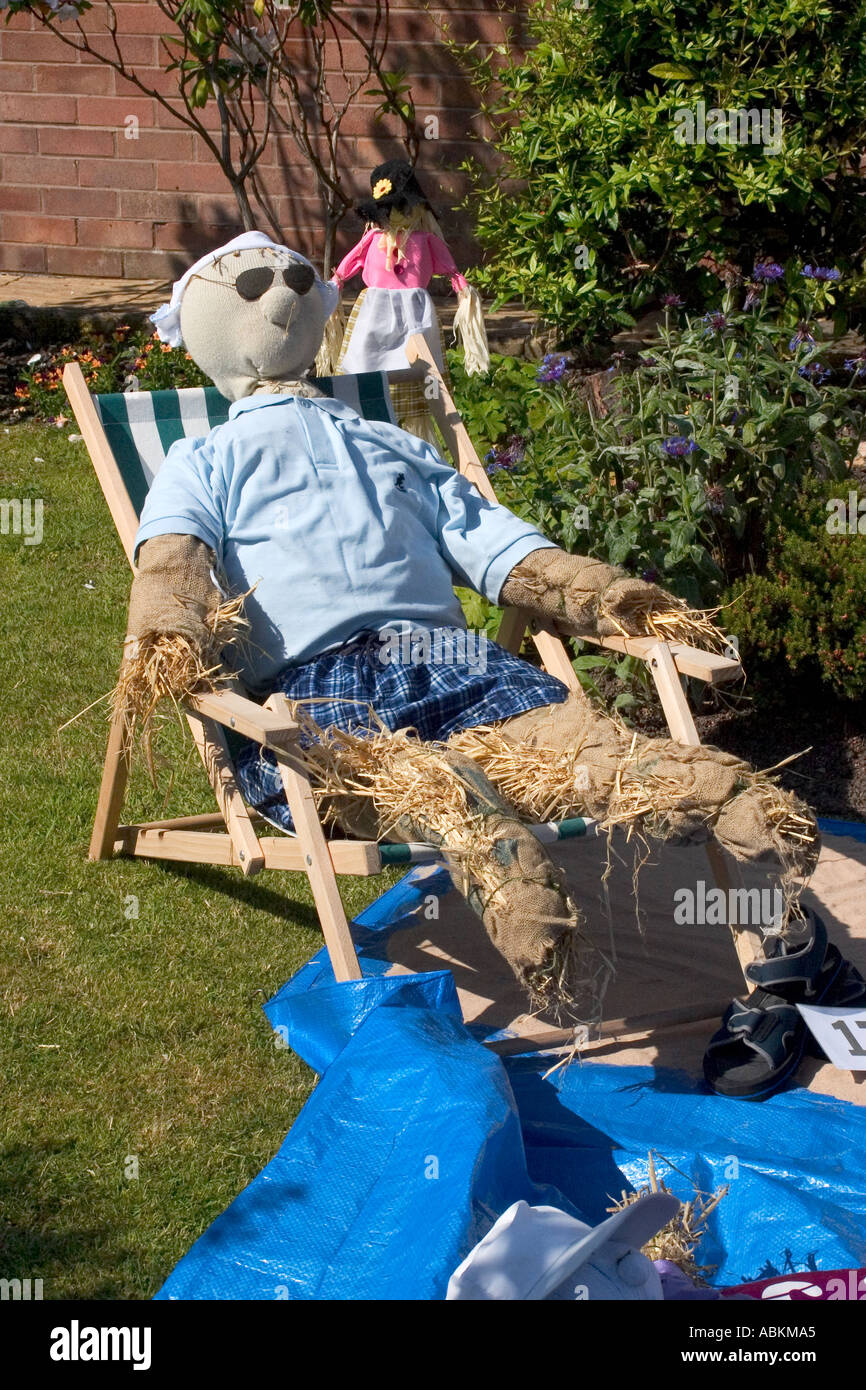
586, 125
806, 615
704, 441
498, 404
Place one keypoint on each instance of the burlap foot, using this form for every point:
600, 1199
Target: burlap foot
570, 759
502, 870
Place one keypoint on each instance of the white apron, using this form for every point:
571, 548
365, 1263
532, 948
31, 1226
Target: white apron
386, 319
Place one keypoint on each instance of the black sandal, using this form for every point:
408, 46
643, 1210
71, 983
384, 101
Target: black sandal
763, 1038
786, 972
758, 1047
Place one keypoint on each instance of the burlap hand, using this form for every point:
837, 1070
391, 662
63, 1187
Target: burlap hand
593, 598
173, 592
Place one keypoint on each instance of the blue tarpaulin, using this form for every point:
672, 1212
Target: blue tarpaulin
417, 1136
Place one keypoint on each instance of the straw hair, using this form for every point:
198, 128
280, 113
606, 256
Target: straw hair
328, 355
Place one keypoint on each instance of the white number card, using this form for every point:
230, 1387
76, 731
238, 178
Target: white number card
841, 1033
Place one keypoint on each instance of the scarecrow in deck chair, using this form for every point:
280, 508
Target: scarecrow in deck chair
342, 532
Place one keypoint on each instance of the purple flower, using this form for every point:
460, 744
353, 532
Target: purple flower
678, 446
821, 272
716, 497
505, 458
631, 485
716, 322
767, 270
553, 367
803, 335
672, 301
857, 365
648, 361
815, 372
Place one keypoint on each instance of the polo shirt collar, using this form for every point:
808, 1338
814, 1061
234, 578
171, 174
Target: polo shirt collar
262, 399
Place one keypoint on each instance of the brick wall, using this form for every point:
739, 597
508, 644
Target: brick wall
79, 197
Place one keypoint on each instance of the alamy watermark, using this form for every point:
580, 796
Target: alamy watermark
738, 907
22, 517
77, 1343
23, 1290
846, 517
734, 127
443, 646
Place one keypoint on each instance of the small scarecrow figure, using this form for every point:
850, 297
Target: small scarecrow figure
401, 250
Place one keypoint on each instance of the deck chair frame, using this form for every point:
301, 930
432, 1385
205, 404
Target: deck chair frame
230, 836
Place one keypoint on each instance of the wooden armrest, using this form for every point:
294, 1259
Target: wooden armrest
245, 717
689, 661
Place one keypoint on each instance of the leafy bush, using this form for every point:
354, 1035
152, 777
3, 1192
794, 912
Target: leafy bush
709, 436
596, 207
498, 404
806, 615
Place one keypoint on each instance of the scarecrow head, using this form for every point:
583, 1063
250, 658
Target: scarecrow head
394, 188
250, 313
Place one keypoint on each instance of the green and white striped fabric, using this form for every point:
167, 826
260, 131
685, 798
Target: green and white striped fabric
141, 426
548, 832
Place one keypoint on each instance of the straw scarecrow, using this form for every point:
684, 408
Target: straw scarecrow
401, 250
339, 531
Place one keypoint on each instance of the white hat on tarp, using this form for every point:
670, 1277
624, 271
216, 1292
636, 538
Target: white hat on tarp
530, 1251
167, 317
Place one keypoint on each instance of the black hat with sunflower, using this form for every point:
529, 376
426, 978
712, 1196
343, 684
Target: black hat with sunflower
393, 185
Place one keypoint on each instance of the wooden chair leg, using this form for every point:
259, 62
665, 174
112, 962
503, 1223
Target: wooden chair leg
210, 741
317, 861
512, 629
747, 943
115, 775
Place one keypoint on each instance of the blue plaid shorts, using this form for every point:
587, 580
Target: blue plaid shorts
433, 682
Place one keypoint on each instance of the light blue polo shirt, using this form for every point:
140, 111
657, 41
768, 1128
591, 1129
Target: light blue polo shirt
342, 524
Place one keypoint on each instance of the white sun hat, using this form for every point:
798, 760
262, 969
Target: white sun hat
167, 317
531, 1251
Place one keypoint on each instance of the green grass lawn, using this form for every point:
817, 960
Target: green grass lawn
122, 1036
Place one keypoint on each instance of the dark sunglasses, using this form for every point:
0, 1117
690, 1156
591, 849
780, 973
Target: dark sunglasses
252, 284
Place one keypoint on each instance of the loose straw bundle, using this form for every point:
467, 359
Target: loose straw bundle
167, 666
693, 627
678, 1240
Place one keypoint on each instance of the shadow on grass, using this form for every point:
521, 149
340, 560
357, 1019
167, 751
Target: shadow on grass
44, 1248
249, 892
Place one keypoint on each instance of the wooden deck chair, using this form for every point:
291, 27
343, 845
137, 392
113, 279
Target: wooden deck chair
128, 437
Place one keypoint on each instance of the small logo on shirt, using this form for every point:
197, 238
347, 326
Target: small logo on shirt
400, 482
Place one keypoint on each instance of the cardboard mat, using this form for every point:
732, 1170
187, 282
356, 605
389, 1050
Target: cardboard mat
660, 966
